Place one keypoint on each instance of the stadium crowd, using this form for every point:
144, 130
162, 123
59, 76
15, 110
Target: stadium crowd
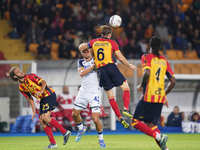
70, 22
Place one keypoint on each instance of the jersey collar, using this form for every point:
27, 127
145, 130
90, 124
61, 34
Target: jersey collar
88, 60
104, 37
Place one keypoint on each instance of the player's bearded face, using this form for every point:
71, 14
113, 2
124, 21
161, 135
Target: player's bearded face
19, 74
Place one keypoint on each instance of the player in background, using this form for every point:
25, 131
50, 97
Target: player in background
65, 102
104, 50
149, 107
90, 92
31, 84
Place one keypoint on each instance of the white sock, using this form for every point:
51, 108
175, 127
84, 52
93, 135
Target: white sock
158, 136
80, 126
100, 135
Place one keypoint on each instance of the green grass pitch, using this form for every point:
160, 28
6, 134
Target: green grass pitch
113, 142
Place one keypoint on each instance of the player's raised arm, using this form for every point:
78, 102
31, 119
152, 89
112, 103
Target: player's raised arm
123, 60
83, 46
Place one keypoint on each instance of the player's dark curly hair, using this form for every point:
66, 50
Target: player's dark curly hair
11, 74
156, 44
105, 30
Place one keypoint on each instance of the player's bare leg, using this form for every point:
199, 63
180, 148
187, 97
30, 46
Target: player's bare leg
48, 131
115, 107
79, 123
126, 99
98, 124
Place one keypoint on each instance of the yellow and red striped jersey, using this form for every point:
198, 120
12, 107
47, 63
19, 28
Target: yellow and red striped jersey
154, 91
104, 50
31, 85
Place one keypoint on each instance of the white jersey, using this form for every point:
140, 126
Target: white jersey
90, 82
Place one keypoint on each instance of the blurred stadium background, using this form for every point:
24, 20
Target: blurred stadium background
33, 32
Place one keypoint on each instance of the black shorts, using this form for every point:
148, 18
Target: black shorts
148, 112
47, 104
110, 76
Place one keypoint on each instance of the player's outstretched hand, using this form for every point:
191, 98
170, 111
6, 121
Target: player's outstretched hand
33, 116
166, 102
139, 88
132, 66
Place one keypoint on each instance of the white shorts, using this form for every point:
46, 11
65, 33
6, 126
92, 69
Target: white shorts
83, 98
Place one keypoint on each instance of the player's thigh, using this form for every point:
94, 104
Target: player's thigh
141, 110
148, 112
155, 113
76, 113
94, 100
81, 100
48, 104
115, 75
105, 78
124, 85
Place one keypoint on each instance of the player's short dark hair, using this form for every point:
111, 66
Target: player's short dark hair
11, 74
105, 30
176, 107
156, 44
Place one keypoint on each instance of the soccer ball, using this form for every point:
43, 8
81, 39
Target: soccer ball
115, 21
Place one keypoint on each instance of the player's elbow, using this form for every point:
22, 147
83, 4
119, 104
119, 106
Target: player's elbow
81, 74
173, 81
147, 72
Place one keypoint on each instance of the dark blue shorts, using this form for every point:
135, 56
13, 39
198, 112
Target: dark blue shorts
148, 112
110, 76
48, 103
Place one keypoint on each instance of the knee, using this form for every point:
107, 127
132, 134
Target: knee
45, 119
41, 121
134, 122
74, 114
150, 125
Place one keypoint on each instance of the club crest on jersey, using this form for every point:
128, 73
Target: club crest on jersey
86, 66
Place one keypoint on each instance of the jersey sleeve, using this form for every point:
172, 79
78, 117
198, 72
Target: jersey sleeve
26, 94
90, 43
115, 46
169, 72
35, 78
146, 62
80, 63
